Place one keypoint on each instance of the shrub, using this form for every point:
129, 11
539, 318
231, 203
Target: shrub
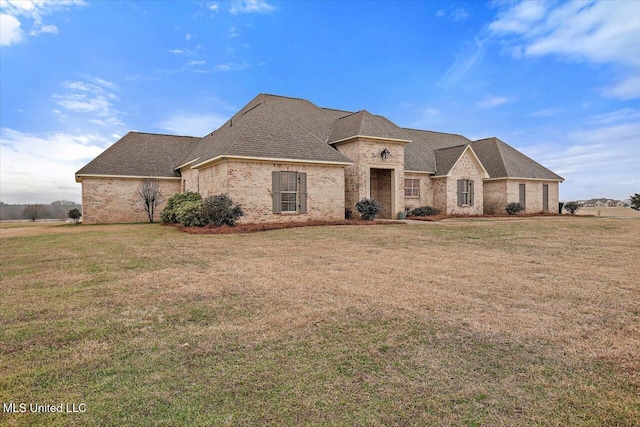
368, 208
513, 208
571, 207
189, 214
75, 215
424, 211
219, 210
169, 213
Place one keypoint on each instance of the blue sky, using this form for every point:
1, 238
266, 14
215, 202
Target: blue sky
559, 81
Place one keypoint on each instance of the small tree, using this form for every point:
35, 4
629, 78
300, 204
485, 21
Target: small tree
34, 212
149, 193
513, 208
635, 201
368, 208
571, 207
75, 215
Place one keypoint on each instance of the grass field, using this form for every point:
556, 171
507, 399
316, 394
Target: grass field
610, 212
505, 322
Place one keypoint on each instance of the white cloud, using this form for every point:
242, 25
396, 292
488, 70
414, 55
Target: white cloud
94, 99
40, 168
603, 32
18, 12
10, 32
598, 160
251, 6
233, 32
459, 14
462, 65
213, 7
440, 13
176, 51
231, 66
494, 101
192, 124
51, 29
188, 36
193, 63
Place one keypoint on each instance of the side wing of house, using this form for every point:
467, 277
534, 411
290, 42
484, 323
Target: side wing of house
111, 181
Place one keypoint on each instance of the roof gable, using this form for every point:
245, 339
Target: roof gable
364, 123
504, 161
264, 132
448, 158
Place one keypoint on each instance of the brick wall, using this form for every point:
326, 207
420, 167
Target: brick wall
249, 184
495, 196
365, 153
111, 200
465, 168
426, 191
533, 193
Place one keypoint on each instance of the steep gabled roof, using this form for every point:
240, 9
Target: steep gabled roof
271, 128
503, 161
141, 154
363, 123
446, 158
419, 155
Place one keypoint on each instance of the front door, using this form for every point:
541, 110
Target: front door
380, 185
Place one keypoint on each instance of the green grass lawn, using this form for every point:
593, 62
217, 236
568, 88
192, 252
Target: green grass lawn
532, 322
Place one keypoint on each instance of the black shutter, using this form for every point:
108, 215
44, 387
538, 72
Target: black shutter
460, 184
523, 197
303, 192
545, 197
471, 193
275, 192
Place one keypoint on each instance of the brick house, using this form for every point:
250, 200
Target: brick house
286, 159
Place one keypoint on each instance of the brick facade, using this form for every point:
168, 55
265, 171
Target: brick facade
112, 200
249, 184
426, 191
365, 154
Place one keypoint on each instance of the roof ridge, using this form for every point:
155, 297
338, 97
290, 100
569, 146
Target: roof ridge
435, 131
107, 149
284, 96
504, 163
453, 146
165, 134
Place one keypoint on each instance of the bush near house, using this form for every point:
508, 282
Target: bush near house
168, 214
190, 210
424, 211
368, 208
513, 208
219, 210
189, 214
571, 207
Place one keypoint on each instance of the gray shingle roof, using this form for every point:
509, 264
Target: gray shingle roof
364, 123
446, 158
271, 126
419, 155
141, 154
503, 161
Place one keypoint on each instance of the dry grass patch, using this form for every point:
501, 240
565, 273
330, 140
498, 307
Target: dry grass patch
457, 323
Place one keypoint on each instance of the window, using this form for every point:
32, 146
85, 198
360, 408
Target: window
289, 192
545, 197
465, 192
289, 189
523, 196
412, 188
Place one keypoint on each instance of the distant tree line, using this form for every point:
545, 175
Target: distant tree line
56, 210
